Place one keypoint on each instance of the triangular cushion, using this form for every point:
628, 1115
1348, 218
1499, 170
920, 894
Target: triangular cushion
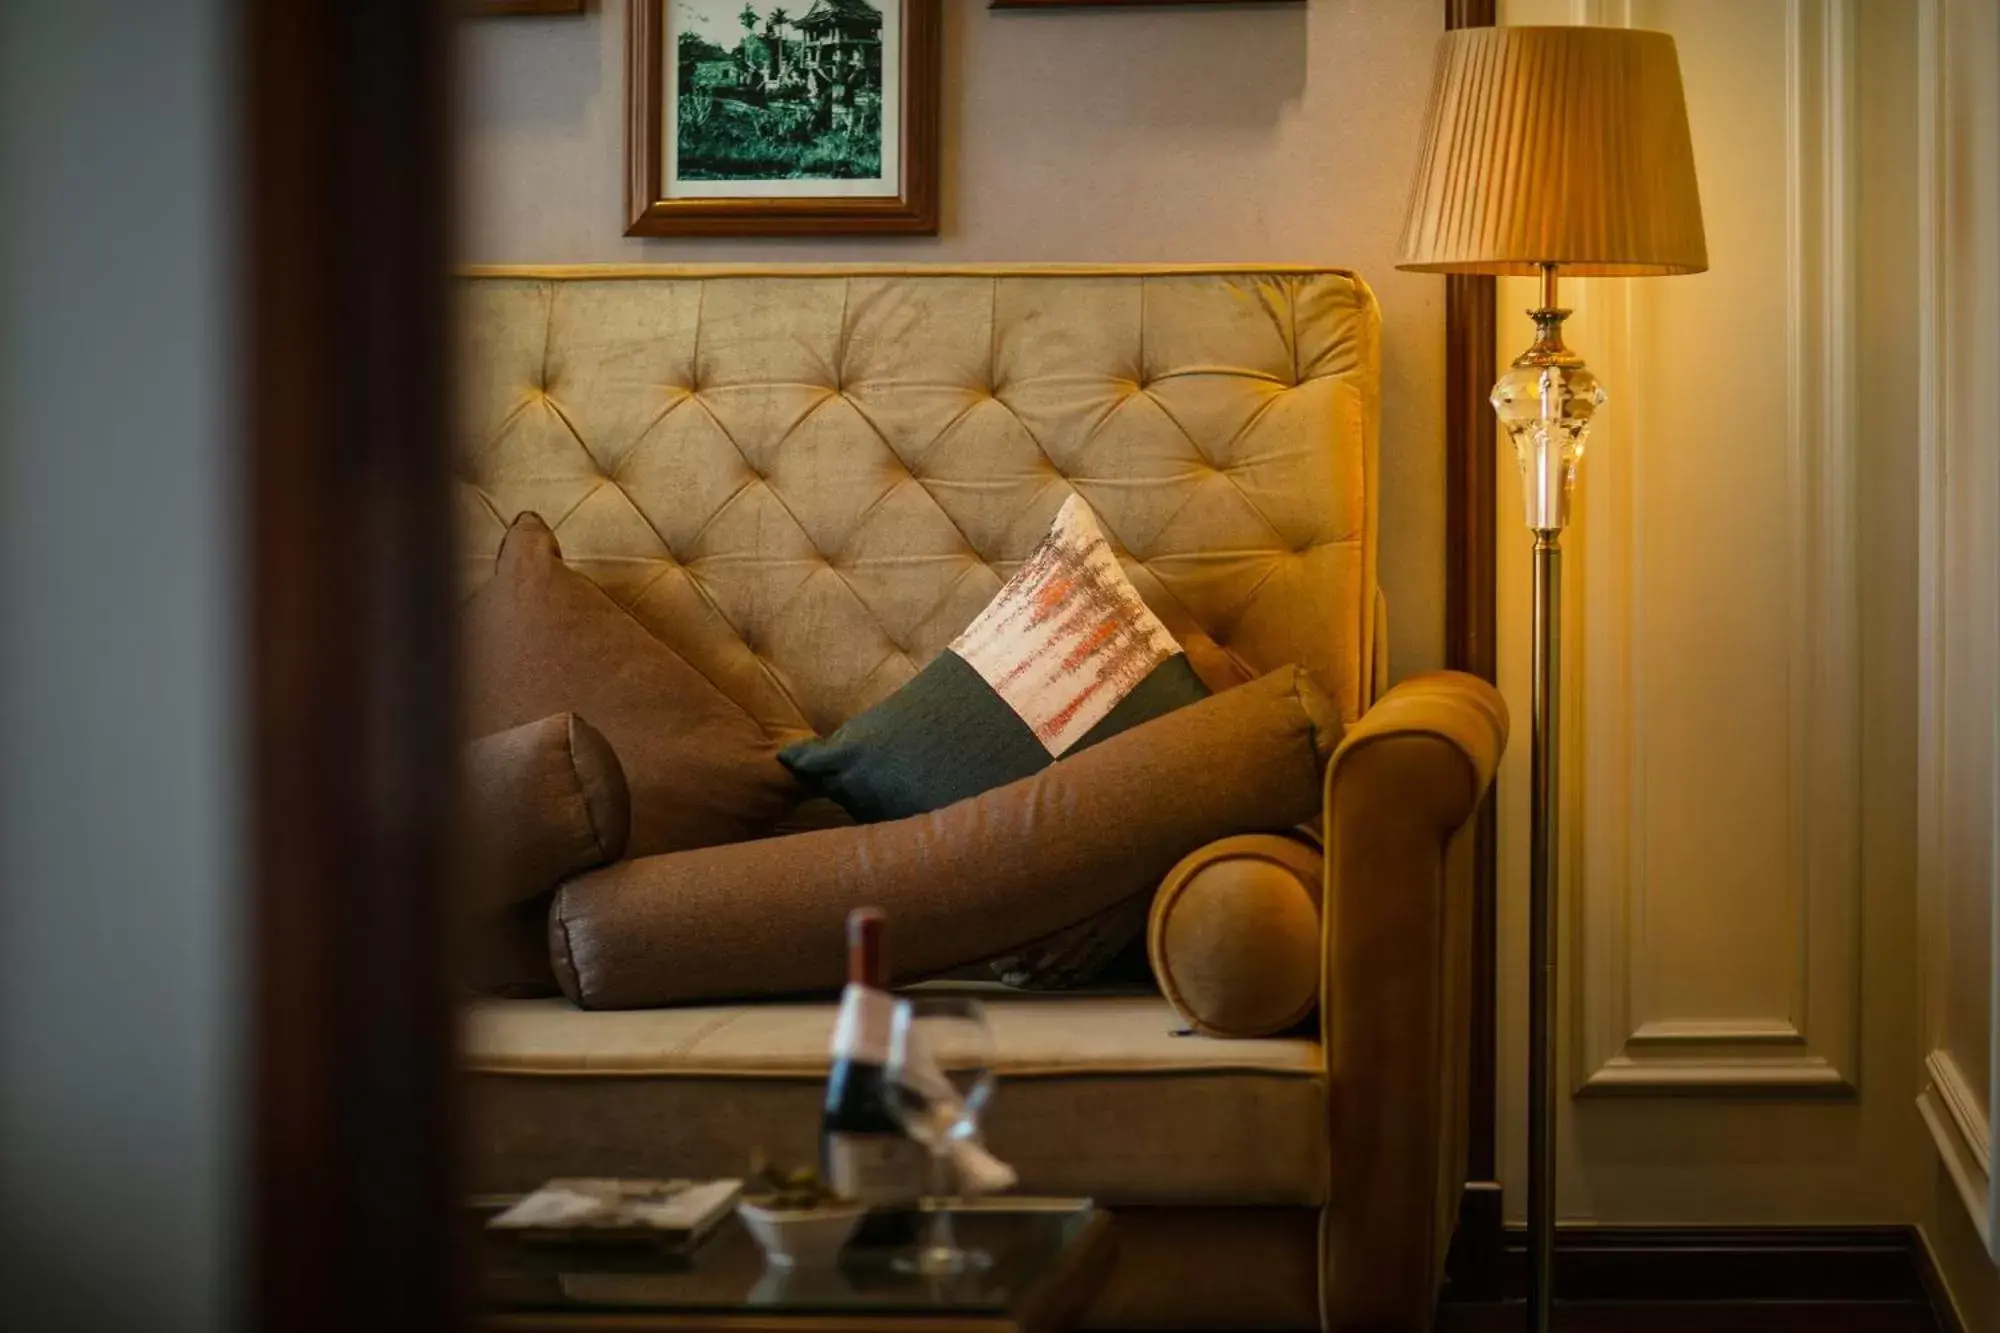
541, 638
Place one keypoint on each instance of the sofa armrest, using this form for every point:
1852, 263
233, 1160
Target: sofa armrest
1401, 792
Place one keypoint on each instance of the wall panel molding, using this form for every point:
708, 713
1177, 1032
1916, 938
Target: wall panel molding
1958, 1125
1958, 746
1804, 1038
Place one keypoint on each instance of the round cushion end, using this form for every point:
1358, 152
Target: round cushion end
1234, 935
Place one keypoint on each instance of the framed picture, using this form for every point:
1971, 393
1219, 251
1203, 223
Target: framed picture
757, 117
1102, 4
501, 8
1099, 5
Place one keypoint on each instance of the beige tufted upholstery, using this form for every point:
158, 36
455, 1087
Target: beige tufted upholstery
809, 481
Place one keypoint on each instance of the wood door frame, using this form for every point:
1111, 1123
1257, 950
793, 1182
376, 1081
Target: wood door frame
344, 251
1471, 643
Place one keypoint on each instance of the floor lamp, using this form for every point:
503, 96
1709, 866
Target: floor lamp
1546, 151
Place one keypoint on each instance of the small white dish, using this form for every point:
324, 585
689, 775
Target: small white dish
802, 1237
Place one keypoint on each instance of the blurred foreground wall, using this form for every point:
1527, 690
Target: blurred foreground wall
118, 628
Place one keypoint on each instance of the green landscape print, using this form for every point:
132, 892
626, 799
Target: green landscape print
772, 92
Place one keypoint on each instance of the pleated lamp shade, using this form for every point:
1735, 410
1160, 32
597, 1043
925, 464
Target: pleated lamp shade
1565, 146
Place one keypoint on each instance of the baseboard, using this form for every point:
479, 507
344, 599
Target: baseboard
1891, 1264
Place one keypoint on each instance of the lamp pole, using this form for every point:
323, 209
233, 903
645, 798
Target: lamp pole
1552, 146
1546, 401
1542, 927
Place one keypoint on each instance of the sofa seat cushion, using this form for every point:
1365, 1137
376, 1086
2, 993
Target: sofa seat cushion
1099, 1096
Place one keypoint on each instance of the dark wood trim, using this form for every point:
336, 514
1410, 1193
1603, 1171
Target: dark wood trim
1470, 645
645, 108
1475, 1265
1728, 1264
1470, 13
1125, 4
348, 1190
516, 8
912, 212
1471, 354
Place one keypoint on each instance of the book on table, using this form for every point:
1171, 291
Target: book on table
676, 1214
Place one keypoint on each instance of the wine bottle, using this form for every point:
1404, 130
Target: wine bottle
864, 1154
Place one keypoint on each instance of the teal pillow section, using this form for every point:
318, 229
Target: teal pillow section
946, 736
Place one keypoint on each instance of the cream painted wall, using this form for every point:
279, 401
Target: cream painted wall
1783, 648
1279, 133
1744, 580
1741, 994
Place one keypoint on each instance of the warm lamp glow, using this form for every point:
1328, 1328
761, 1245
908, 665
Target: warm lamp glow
1548, 151
1567, 146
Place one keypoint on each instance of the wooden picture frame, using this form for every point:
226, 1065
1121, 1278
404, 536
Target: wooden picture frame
795, 78
1110, 4
483, 9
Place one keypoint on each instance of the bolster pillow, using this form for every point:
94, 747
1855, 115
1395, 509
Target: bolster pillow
1234, 935
959, 884
542, 802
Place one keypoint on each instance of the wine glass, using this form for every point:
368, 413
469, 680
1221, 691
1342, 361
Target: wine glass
937, 1081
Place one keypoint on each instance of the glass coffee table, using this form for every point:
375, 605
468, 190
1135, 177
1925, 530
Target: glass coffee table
1049, 1257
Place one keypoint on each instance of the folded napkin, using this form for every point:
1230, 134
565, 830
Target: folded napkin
979, 1171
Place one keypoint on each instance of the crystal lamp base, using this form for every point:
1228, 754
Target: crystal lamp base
1546, 401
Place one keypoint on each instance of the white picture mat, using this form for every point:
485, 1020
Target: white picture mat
887, 185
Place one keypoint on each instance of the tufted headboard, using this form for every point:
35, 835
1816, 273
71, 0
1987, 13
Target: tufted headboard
809, 480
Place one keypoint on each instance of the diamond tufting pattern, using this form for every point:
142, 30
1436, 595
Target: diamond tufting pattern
809, 482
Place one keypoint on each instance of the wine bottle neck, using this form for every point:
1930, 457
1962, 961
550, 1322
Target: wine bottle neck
867, 955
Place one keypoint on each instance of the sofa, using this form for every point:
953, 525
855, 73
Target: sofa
807, 480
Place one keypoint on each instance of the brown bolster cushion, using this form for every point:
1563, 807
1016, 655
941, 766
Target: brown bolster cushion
1234, 936
543, 801
959, 884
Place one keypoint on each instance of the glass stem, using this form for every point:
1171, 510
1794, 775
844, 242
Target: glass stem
942, 1239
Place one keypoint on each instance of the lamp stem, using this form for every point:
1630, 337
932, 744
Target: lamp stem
1542, 929
1546, 400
